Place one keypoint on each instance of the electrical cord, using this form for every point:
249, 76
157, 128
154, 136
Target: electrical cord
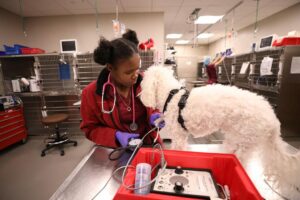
127, 165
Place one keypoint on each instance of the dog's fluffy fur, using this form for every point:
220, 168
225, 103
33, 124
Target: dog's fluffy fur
246, 119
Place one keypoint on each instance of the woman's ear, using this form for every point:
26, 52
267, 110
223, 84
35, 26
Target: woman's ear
109, 67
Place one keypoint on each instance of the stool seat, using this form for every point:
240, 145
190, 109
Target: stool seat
55, 118
59, 140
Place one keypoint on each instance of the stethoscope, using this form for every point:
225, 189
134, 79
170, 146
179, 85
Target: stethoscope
133, 126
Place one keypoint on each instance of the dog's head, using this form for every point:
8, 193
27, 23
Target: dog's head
154, 86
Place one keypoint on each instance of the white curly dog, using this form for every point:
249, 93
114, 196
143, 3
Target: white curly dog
246, 119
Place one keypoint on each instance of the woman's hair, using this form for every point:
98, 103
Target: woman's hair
110, 52
131, 36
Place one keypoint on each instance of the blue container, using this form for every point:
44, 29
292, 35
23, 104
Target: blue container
18, 46
2, 53
15, 50
11, 50
64, 72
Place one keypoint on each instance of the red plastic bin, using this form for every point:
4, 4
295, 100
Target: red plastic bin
226, 170
286, 41
32, 51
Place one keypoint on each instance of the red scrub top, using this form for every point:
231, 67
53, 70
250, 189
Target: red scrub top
100, 127
212, 74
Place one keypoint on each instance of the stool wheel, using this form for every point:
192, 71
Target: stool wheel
43, 154
75, 144
62, 153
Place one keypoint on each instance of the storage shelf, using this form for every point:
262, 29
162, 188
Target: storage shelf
47, 93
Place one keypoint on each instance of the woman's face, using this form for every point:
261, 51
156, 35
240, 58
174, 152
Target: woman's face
125, 73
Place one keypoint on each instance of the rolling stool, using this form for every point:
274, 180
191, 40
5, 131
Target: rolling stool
58, 140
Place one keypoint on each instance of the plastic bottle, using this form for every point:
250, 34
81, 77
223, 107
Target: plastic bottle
142, 178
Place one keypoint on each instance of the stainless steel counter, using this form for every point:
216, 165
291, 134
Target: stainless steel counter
95, 169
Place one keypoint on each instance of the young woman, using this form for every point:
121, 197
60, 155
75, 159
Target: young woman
111, 112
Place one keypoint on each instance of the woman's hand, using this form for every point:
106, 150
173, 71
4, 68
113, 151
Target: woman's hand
124, 137
156, 120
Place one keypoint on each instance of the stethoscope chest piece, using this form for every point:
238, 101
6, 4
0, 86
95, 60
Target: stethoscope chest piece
133, 126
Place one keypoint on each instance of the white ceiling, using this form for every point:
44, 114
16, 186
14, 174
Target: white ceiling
175, 11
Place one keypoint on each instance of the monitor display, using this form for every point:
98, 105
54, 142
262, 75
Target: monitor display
266, 42
68, 46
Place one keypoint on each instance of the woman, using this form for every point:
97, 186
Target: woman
211, 68
112, 117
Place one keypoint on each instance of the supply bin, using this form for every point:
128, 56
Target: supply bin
226, 169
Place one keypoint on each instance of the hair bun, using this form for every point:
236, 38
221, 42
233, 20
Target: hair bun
131, 36
103, 53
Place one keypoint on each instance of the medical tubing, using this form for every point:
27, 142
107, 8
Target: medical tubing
124, 172
127, 165
162, 156
118, 156
281, 195
155, 139
136, 148
109, 180
150, 183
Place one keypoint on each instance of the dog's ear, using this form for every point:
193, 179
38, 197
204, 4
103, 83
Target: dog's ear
149, 88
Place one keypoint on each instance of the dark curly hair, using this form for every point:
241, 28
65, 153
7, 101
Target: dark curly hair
131, 36
110, 52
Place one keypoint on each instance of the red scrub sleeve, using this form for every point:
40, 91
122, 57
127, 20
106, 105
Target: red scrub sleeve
92, 127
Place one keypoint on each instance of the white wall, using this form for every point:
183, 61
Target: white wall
10, 29
189, 51
10, 33
187, 59
45, 32
280, 24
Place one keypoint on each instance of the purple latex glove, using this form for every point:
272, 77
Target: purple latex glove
124, 137
159, 123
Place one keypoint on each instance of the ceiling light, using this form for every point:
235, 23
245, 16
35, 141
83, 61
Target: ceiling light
205, 35
182, 41
174, 36
208, 19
